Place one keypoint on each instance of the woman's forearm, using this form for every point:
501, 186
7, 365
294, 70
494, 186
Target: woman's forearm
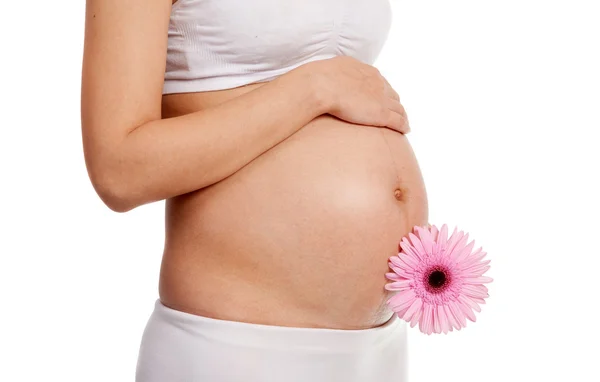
169, 157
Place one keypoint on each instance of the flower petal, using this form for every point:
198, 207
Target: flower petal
467, 301
437, 328
479, 291
409, 261
402, 285
458, 248
478, 269
475, 258
444, 324
426, 240
451, 319
434, 233
465, 252
414, 308
458, 315
477, 280
467, 312
454, 238
397, 270
395, 260
410, 251
419, 250
426, 324
400, 271
402, 298
416, 318
442, 238
401, 302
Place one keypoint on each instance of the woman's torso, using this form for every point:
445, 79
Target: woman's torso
301, 235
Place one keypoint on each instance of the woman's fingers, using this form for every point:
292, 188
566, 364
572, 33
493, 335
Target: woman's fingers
398, 123
390, 92
396, 116
396, 106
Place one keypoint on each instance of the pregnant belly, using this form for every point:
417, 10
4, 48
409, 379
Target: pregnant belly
301, 235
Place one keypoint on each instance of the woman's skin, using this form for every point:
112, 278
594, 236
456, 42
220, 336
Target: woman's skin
284, 199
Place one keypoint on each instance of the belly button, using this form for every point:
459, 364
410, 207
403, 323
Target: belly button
398, 194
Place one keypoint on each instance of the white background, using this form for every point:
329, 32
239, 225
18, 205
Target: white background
504, 102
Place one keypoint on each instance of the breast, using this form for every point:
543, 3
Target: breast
301, 235
228, 43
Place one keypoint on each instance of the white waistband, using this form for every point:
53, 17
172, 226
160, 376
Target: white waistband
263, 336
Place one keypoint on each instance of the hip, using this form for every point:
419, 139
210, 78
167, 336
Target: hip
178, 346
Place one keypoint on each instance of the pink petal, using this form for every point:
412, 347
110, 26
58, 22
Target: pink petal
476, 253
454, 238
396, 261
426, 240
458, 315
474, 291
460, 245
401, 285
444, 324
400, 271
424, 318
466, 252
478, 269
400, 303
392, 276
409, 260
418, 231
394, 268
477, 280
437, 328
434, 233
442, 238
410, 251
467, 301
420, 251
403, 298
474, 261
453, 321
414, 308
416, 318
467, 312
435, 322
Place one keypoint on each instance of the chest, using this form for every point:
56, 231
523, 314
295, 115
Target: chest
283, 31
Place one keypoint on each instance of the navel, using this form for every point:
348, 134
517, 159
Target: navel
398, 194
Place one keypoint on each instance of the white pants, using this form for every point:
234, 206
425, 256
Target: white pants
183, 347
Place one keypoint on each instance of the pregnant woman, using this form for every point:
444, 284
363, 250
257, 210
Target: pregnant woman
287, 176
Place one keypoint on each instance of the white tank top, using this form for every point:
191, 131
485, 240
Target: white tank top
222, 44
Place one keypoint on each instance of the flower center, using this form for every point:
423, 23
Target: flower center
437, 279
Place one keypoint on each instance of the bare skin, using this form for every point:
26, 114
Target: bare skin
284, 199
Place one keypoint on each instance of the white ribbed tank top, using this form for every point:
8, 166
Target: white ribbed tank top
222, 44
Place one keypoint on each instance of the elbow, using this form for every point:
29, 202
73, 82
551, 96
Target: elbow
114, 190
116, 202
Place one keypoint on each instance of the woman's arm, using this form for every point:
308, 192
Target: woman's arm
133, 157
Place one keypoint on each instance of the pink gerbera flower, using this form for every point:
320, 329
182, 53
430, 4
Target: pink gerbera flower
439, 280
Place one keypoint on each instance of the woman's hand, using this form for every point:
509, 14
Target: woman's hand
356, 92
